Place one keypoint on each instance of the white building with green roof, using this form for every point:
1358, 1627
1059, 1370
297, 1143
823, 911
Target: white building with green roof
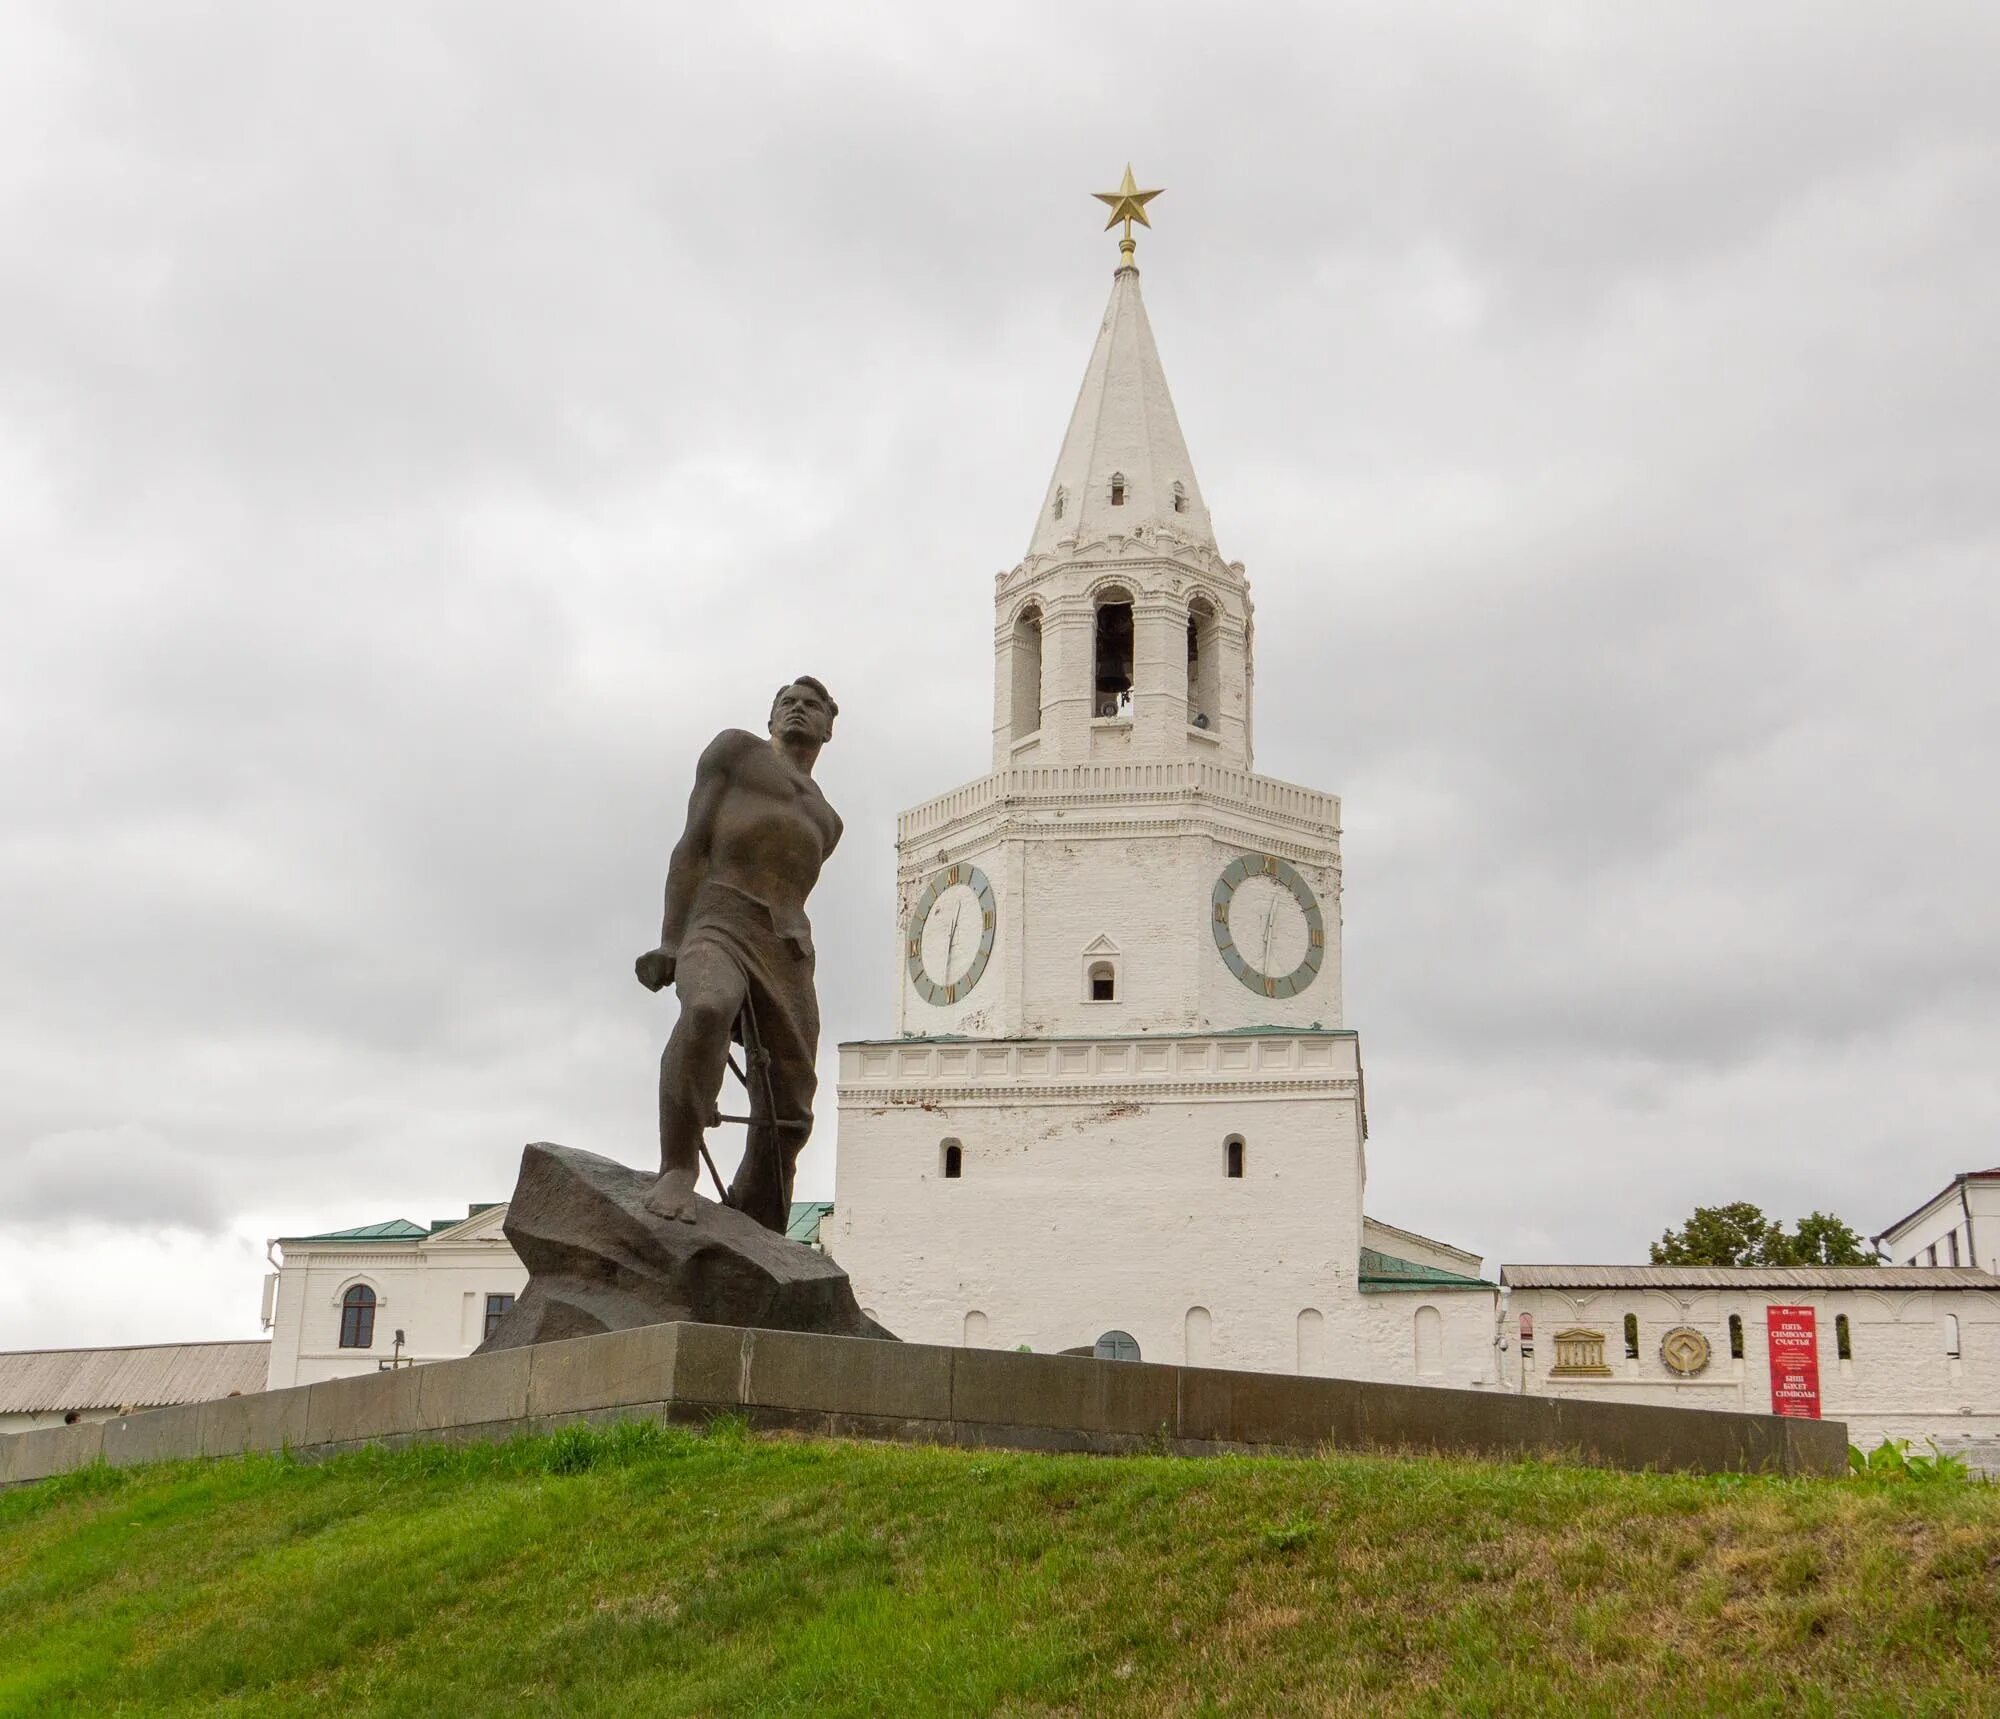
339, 1301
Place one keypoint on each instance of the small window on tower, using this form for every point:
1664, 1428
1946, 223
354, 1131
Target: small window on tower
1232, 1157
1117, 489
1061, 501
1631, 1336
1103, 982
1843, 1337
952, 1159
1736, 1336
1180, 498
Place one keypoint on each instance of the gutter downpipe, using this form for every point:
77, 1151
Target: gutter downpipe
1965, 1200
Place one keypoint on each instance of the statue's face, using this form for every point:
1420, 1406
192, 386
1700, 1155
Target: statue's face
801, 714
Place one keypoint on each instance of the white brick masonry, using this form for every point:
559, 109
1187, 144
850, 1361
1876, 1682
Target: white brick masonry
1093, 1197
1899, 1383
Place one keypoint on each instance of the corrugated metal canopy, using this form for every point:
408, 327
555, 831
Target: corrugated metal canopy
1746, 1277
41, 1381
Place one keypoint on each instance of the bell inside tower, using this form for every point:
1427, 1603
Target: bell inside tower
1114, 655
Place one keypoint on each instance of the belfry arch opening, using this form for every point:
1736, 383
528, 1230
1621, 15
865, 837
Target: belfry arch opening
1027, 664
1112, 692
1204, 664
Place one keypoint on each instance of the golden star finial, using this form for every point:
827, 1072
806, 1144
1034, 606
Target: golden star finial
1128, 204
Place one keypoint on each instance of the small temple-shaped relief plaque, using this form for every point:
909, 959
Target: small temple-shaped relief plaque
1579, 1355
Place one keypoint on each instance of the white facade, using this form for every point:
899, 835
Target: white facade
1048, 1191
1923, 1347
434, 1286
1958, 1225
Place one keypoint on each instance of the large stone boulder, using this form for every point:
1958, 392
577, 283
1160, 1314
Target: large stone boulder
598, 1260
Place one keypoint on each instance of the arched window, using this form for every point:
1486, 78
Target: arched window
357, 1317
951, 1160
1843, 1341
1631, 1336
1111, 693
975, 1330
1204, 665
1195, 1330
1117, 489
1951, 1335
1061, 502
1180, 496
1116, 1346
1430, 1341
1232, 1157
1103, 982
1312, 1340
1527, 1334
1736, 1336
1026, 717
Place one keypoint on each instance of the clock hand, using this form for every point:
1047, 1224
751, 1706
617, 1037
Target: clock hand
1270, 924
951, 941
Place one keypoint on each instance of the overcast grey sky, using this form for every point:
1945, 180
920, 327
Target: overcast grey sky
421, 428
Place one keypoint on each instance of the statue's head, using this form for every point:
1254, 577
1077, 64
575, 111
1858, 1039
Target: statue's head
803, 710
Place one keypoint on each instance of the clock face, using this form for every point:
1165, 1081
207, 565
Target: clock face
1268, 925
950, 935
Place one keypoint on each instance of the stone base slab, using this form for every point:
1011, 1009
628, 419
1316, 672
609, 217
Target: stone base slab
857, 1387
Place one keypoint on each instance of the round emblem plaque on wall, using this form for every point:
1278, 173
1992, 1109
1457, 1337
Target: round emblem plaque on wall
1268, 925
1685, 1351
950, 934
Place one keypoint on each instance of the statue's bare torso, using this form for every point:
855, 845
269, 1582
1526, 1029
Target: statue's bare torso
771, 829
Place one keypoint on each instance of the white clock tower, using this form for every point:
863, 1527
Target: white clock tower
1121, 1103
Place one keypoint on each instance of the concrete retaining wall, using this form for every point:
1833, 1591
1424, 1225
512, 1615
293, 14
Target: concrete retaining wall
859, 1388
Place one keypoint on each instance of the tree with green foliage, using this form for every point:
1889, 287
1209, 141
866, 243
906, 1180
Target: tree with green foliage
1740, 1234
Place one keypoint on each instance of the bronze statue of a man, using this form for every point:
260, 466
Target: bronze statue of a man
735, 935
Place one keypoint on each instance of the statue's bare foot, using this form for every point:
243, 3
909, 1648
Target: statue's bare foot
672, 1196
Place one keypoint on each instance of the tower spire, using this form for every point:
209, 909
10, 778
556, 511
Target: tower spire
1124, 466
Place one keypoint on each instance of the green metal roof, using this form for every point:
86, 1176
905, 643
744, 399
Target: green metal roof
1384, 1272
807, 1216
390, 1229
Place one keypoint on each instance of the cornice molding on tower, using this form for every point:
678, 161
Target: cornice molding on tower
1019, 814
1323, 860
1153, 781
925, 1097
1119, 553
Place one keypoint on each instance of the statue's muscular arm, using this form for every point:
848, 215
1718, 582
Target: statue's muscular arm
689, 864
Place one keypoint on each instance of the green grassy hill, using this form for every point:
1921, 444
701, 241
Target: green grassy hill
654, 1571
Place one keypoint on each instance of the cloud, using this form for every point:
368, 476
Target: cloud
123, 1178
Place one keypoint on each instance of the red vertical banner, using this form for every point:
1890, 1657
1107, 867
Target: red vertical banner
1794, 1339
